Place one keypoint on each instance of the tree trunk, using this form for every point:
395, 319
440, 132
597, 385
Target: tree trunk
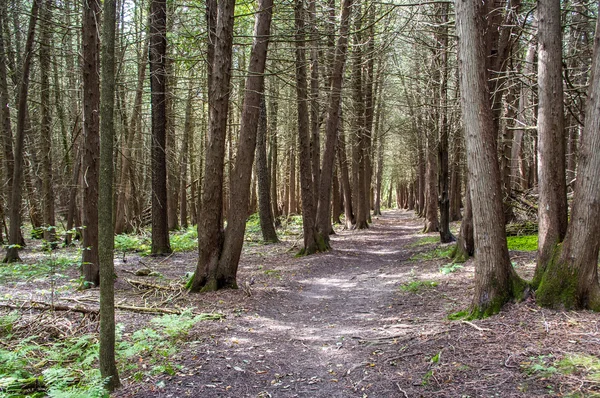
496, 282
262, 174
570, 280
210, 225
108, 367
183, 162
345, 177
331, 127
12, 253
465, 245
309, 210
91, 143
273, 155
552, 208
46, 127
158, 85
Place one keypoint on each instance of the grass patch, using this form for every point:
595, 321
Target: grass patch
186, 240
427, 240
526, 243
541, 366
456, 316
130, 243
584, 365
417, 286
437, 253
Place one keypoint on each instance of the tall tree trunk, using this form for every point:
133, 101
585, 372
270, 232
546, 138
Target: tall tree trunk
265, 214
465, 245
12, 252
46, 126
455, 178
183, 163
443, 188
315, 141
358, 135
158, 85
108, 367
496, 282
552, 209
309, 209
273, 153
570, 279
332, 125
91, 143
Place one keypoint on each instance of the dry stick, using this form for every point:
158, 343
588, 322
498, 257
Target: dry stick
475, 326
38, 305
148, 285
401, 390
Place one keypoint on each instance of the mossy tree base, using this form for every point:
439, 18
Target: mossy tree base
518, 291
211, 284
562, 287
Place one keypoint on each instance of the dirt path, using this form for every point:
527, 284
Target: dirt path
339, 325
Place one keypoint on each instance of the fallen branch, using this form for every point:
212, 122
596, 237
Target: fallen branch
40, 305
148, 285
475, 326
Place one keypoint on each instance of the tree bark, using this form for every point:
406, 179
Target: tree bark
345, 177
496, 282
12, 253
570, 280
331, 127
46, 127
265, 214
158, 85
312, 244
552, 208
108, 367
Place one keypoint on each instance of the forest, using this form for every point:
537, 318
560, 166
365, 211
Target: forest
304, 198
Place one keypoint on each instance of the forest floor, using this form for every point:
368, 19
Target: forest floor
367, 319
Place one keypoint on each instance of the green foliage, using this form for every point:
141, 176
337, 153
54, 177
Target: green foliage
417, 286
49, 265
7, 322
450, 268
436, 253
462, 314
425, 241
584, 364
541, 365
177, 326
185, 241
525, 243
133, 243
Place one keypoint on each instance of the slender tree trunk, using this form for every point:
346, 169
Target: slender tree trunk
345, 177
309, 208
465, 245
108, 367
552, 209
273, 149
496, 282
158, 85
455, 179
332, 125
336, 198
267, 225
12, 253
183, 163
46, 127
315, 141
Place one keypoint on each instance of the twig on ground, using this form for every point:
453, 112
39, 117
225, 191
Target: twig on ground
476, 327
401, 390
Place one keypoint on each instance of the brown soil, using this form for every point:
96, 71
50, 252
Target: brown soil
338, 324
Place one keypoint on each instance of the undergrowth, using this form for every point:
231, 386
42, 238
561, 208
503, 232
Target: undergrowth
436, 253
417, 286
68, 367
48, 266
525, 243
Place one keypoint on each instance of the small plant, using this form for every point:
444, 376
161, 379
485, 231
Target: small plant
542, 366
450, 268
462, 314
526, 243
275, 273
417, 286
177, 326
